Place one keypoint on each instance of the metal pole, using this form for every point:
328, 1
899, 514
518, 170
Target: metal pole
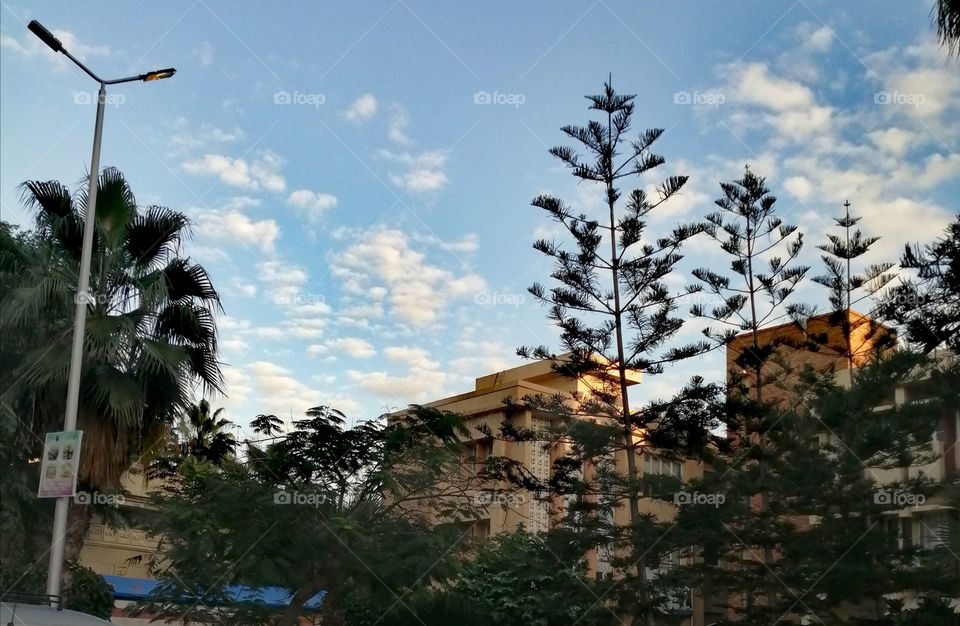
55, 571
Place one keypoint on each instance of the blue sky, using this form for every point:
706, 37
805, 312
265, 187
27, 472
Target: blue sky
359, 174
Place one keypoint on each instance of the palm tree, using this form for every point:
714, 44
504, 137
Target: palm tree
150, 332
202, 434
947, 18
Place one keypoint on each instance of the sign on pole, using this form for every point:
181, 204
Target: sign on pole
60, 464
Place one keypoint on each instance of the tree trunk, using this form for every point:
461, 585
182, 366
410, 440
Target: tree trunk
79, 517
291, 614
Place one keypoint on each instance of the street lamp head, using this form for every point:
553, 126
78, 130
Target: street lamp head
158, 74
45, 35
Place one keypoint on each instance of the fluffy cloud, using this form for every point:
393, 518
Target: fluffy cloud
279, 392
422, 379
261, 173
245, 289
815, 39
281, 281
397, 126
362, 109
235, 227
352, 346
183, 137
31, 46
422, 172
306, 314
788, 106
893, 141
416, 291
312, 204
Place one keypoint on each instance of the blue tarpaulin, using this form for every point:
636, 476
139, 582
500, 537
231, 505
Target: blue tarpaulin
127, 588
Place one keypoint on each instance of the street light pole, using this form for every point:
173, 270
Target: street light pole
55, 570
82, 298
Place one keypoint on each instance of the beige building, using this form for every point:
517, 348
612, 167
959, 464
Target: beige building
485, 409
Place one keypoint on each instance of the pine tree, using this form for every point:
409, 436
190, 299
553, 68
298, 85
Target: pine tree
928, 306
861, 335
616, 316
753, 235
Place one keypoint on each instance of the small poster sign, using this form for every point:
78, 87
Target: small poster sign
60, 464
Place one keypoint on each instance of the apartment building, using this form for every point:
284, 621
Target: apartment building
921, 522
484, 410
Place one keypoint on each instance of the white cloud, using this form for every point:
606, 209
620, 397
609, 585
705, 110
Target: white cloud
183, 137
234, 345
282, 282
423, 171
816, 39
245, 289
397, 126
352, 346
893, 141
788, 106
362, 109
261, 173
312, 204
280, 393
422, 380
416, 290
754, 84
799, 186
235, 227
30, 46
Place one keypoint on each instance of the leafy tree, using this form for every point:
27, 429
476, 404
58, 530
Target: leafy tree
616, 316
324, 508
198, 435
150, 332
204, 435
520, 580
85, 590
425, 608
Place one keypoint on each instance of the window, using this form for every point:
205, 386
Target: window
900, 531
481, 529
653, 464
475, 454
933, 528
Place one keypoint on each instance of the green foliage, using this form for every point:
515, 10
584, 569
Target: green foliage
927, 306
616, 316
150, 332
325, 508
851, 288
88, 592
522, 581
424, 608
85, 590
